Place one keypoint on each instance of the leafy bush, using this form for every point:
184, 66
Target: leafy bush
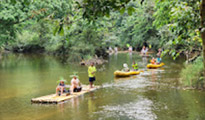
25, 40
53, 44
192, 74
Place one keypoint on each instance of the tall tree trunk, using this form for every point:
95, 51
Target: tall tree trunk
203, 33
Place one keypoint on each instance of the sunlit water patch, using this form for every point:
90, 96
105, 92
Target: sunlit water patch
138, 110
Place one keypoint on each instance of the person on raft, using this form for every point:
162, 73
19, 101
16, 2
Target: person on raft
61, 86
91, 74
159, 56
134, 66
144, 50
153, 61
75, 84
125, 68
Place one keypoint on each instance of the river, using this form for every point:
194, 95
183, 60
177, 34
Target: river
153, 95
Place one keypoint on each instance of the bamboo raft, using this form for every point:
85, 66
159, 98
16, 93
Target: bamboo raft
49, 99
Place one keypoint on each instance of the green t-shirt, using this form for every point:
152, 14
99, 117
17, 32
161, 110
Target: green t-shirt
90, 70
135, 66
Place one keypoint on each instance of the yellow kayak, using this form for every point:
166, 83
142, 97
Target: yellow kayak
125, 74
152, 66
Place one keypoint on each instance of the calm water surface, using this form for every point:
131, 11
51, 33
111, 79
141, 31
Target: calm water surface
152, 95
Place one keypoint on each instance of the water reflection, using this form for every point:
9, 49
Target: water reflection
153, 79
117, 79
130, 55
91, 103
115, 55
138, 110
144, 61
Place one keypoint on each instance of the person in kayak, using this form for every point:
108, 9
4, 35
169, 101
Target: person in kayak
75, 84
135, 66
159, 56
61, 87
125, 68
153, 61
91, 74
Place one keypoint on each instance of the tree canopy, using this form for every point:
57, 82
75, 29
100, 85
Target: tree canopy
60, 25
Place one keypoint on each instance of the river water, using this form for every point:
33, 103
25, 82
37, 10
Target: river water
152, 95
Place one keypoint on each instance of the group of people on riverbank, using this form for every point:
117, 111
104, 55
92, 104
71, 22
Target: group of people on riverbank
75, 82
111, 50
130, 49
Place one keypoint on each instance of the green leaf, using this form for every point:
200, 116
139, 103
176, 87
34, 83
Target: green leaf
13, 1
177, 54
130, 10
122, 11
173, 53
55, 30
61, 33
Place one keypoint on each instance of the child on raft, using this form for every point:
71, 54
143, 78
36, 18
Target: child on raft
153, 61
75, 84
135, 66
61, 87
125, 68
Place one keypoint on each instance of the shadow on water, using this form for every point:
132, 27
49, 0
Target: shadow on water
154, 94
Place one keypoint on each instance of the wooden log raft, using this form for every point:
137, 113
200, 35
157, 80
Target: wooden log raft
57, 99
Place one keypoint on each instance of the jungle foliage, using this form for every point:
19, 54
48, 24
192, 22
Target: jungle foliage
192, 75
67, 25
55, 26
64, 27
178, 23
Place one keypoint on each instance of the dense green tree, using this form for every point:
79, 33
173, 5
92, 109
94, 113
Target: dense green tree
178, 25
16, 13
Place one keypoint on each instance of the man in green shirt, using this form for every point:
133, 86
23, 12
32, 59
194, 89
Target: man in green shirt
91, 74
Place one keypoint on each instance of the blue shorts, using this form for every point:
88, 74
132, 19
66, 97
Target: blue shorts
91, 79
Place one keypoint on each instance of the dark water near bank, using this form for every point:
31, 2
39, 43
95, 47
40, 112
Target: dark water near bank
152, 95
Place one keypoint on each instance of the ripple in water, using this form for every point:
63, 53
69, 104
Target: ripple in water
139, 82
139, 110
